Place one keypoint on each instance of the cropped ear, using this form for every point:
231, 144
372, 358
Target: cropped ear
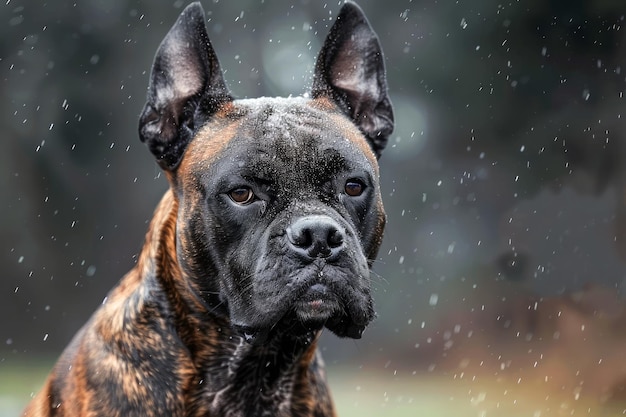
350, 70
186, 88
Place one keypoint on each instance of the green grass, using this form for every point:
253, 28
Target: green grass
355, 394
18, 381
375, 395
363, 393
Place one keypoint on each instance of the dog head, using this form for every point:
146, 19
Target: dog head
280, 213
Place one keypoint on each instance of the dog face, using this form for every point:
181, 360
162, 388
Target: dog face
287, 213
280, 212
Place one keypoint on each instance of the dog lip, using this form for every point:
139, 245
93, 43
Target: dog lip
317, 303
316, 289
316, 295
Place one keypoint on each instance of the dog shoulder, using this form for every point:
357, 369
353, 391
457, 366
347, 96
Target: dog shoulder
117, 361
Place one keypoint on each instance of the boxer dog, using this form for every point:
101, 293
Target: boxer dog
266, 236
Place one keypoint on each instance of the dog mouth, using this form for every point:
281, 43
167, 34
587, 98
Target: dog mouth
320, 307
317, 304
295, 298
314, 307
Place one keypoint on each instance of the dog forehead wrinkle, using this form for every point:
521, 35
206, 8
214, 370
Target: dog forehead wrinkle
286, 166
299, 131
280, 118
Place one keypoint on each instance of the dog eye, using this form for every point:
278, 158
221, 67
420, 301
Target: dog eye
354, 187
242, 195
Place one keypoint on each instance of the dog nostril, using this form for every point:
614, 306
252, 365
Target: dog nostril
335, 238
300, 237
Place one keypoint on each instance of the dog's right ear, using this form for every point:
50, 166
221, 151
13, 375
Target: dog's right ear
186, 87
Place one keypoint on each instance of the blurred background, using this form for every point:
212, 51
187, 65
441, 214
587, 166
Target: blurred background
499, 285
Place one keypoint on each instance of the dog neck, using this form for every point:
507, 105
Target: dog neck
281, 362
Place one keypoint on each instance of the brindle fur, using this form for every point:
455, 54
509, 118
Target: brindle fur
211, 320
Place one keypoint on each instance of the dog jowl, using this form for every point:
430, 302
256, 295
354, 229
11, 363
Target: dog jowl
266, 237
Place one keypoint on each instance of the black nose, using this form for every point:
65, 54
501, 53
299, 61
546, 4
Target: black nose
316, 236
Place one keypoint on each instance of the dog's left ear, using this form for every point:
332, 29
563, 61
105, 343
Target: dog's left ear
186, 88
350, 70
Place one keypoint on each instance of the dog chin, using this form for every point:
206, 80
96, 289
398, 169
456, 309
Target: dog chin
302, 324
316, 311
323, 307
317, 304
